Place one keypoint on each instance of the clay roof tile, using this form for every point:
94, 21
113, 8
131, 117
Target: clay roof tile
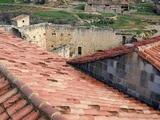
57, 90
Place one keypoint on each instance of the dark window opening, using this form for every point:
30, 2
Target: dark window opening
123, 40
79, 50
23, 21
54, 33
52, 46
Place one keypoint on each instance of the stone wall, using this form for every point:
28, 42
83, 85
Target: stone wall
51, 37
7, 28
35, 34
130, 74
62, 51
89, 39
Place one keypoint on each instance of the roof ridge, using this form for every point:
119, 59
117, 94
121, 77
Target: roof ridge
103, 54
113, 51
41, 104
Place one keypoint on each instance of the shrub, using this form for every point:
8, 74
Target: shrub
80, 7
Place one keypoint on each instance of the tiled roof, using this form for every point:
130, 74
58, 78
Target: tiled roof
76, 95
19, 17
18, 101
13, 104
151, 53
151, 42
103, 54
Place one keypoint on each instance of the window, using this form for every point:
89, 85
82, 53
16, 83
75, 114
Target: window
79, 50
123, 40
54, 33
23, 21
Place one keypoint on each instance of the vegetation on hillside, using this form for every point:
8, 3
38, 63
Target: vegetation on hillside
127, 22
6, 1
144, 8
86, 19
96, 20
80, 7
58, 17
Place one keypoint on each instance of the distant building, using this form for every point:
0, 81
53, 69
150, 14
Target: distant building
21, 20
107, 6
140, 1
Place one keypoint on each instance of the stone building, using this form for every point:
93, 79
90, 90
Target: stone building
81, 40
133, 69
21, 20
107, 6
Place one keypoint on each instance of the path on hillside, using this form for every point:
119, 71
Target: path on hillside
151, 27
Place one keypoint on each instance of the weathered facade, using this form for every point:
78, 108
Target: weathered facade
81, 40
107, 7
21, 20
63, 50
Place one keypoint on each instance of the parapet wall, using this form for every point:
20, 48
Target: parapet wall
7, 28
81, 40
35, 34
88, 38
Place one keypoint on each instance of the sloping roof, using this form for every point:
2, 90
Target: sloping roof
76, 95
95, 2
14, 104
151, 53
148, 49
102, 2
18, 101
19, 17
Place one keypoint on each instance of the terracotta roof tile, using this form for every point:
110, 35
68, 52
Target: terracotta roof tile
70, 92
11, 101
104, 54
150, 52
32, 116
22, 113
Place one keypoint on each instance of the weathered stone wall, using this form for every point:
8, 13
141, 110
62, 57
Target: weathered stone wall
35, 34
7, 28
51, 37
89, 39
63, 51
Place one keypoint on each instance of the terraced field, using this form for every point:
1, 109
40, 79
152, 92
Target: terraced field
20, 8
